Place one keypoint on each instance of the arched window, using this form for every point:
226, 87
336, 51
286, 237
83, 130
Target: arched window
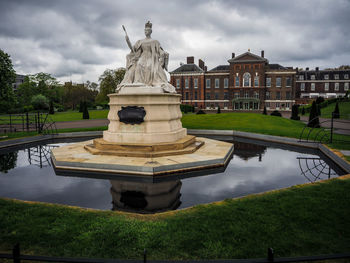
246, 79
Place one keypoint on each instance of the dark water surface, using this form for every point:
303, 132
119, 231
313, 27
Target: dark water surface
27, 174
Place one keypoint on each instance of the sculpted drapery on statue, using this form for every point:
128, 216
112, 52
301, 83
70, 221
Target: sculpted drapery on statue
145, 64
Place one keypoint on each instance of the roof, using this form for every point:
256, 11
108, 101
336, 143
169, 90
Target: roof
188, 68
276, 66
247, 57
220, 68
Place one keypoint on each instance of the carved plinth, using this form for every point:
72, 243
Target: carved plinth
161, 123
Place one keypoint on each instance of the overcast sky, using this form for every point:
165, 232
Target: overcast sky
77, 40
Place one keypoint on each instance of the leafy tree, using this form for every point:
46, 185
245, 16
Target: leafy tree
314, 122
265, 111
8, 161
7, 78
26, 91
40, 102
92, 85
109, 81
336, 113
75, 93
51, 108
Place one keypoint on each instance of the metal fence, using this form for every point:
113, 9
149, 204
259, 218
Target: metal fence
17, 258
27, 122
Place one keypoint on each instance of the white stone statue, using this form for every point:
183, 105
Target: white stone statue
145, 65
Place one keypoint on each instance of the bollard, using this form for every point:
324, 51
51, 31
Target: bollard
144, 256
16, 254
270, 255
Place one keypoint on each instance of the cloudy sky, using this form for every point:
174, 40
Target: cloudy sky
77, 40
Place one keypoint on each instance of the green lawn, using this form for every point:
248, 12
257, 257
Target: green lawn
302, 220
344, 110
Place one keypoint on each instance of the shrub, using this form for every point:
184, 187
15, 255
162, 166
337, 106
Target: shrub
295, 112
303, 111
219, 111
314, 122
81, 106
265, 111
40, 102
186, 108
200, 112
336, 113
276, 113
51, 108
319, 100
85, 111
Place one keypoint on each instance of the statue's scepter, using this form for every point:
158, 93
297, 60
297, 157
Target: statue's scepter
127, 39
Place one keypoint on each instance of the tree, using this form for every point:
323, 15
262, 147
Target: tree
336, 113
7, 78
109, 81
40, 102
303, 111
26, 91
295, 112
92, 85
314, 122
265, 111
51, 108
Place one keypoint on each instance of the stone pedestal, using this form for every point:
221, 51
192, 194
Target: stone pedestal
162, 122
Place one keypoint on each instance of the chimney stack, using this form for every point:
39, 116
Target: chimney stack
233, 55
262, 53
201, 63
190, 60
205, 68
316, 68
307, 69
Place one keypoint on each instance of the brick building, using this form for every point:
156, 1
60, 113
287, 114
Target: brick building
311, 84
247, 83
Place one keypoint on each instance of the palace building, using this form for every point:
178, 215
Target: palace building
248, 82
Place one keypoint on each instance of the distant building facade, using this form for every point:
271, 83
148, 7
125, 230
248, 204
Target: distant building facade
19, 80
248, 83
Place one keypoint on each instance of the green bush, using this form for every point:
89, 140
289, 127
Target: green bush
336, 113
186, 108
200, 112
40, 102
276, 113
314, 122
295, 112
265, 111
85, 111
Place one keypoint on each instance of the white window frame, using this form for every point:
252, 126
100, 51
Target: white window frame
326, 86
313, 87
336, 76
237, 81
302, 86
186, 83
207, 83
196, 83
280, 84
268, 82
336, 86
226, 83
256, 81
301, 77
346, 76
177, 83
326, 76
313, 77
217, 83
247, 76
290, 84
346, 86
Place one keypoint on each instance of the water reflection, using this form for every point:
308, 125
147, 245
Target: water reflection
253, 169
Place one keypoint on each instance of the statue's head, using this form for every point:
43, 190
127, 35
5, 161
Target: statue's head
148, 29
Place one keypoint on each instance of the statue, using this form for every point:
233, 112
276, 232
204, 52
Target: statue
145, 63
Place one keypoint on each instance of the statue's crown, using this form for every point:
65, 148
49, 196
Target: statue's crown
148, 24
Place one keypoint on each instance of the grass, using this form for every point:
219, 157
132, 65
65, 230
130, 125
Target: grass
344, 110
302, 220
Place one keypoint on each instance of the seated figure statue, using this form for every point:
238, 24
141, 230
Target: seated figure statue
145, 64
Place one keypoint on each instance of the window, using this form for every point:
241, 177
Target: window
186, 83
225, 105
236, 95
278, 82
336, 86
216, 95
195, 95
326, 76
287, 105
196, 83
288, 95
256, 81
312, 86
178, 83
288, 82
208, 83
237, 81
267, 95
277, 105
246, 80
246, 94
268, 82
225, 83
302, 86
278, 95
346, 76
207, 95
186, 95
336, 76
301, 77
226, 96
267, 104
256, 94
326, 87
216, 83
313, 77
346, 86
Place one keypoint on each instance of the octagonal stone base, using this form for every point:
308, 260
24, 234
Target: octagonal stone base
75, 160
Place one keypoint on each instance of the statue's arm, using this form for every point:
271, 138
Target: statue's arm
164, 58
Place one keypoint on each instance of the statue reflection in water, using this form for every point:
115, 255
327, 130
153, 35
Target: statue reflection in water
145, 197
